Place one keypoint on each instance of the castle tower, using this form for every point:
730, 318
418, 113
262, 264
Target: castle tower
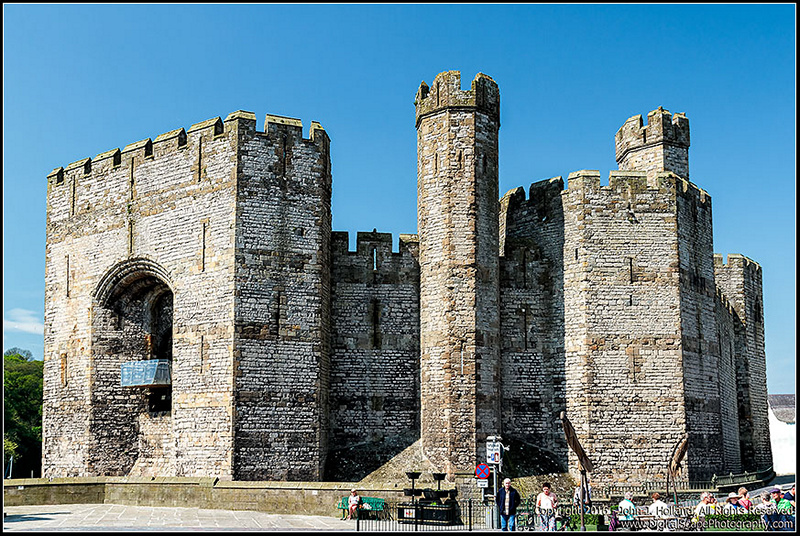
457, 171
187, 305
661, 145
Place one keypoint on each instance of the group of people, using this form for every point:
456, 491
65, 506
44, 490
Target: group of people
508, 500
740, 503
773, 501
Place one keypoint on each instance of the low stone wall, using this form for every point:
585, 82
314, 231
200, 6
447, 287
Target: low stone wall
308, 498
22, 491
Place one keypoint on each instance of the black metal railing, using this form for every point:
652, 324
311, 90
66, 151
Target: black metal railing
466, 515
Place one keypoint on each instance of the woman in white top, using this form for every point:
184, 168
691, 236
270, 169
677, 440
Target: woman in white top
546, 503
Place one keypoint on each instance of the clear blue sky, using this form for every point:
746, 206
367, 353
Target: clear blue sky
79, 80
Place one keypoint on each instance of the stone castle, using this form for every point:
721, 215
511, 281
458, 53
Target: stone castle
208, 253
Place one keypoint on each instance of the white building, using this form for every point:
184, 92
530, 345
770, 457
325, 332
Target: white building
783, 433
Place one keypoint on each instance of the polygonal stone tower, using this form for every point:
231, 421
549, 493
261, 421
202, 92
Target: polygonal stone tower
457, 209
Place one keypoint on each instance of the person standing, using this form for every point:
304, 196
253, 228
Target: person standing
789, 496
546, 503
744, 499
626, 507
659, 508
732, 505
587, 499
507, 501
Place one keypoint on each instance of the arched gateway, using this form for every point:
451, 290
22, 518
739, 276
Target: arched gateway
132, 319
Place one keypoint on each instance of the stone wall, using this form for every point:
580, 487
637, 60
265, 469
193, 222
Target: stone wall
212, 248
740, 281
624, 368
129, 225
699, 337
282, 304
375, 339
660, 145
532, 315
728, 333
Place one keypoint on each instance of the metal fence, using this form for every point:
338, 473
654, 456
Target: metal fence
463, 515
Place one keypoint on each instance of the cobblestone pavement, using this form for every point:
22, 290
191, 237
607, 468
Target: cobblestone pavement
115, 517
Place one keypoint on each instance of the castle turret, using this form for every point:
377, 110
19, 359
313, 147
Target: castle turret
661, 145
457, 211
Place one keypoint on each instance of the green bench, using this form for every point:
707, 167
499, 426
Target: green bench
368, 505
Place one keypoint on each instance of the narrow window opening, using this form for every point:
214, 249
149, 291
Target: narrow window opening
64, 370
435, 163
376, 316
68, 276
131, 183
576, 254
202, 353
199, 159
74, 196
276, 316
130, 238
524, 269
203, 242
525, 328
630, 269
285, 154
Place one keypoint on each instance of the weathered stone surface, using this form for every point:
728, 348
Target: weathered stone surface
212, 248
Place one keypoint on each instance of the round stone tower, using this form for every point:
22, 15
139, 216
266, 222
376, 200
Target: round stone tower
457, 210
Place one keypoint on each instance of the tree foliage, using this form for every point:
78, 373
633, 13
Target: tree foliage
22, 410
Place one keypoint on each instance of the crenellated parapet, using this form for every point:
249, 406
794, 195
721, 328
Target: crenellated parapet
446, 93
373, 261
276, 127
737, 261
660, 145
631, 184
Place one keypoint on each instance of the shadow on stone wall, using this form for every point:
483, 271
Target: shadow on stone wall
525, 459
356, 462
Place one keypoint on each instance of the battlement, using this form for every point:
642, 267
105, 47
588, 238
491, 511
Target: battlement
736, 261
275, 127
724, 301
367, 241
661, 128
446, 93
635, 182
538, 192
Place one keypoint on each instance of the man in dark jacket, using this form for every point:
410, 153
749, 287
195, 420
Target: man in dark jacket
507, 501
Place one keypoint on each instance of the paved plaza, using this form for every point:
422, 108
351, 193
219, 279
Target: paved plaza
116, 517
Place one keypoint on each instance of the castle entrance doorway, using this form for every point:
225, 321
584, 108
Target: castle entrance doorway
131, 391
